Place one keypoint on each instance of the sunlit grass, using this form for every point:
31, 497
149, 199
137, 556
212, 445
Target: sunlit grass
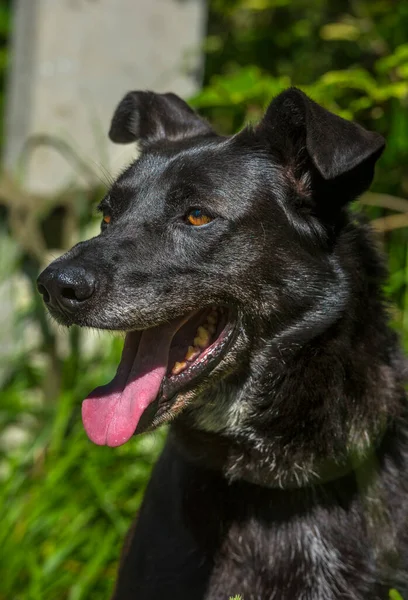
66, 505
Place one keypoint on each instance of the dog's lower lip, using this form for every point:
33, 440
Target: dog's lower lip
161, 410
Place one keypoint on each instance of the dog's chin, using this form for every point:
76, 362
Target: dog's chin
160, 372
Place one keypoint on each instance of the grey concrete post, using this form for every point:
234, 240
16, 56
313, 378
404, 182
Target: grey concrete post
73, 60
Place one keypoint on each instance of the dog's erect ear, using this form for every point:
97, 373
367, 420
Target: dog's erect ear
338, 149
149, 117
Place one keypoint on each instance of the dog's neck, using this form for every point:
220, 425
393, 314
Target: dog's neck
277, 429
255, 464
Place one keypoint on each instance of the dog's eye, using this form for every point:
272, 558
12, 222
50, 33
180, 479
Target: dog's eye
197, 217
106, 220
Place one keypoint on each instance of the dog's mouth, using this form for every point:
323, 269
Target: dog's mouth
156, 365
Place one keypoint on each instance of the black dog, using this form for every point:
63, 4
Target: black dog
256, 326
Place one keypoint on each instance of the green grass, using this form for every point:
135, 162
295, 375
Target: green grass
394, 595
66, 505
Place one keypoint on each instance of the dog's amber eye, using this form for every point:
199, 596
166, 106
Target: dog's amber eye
197, 218
107, 219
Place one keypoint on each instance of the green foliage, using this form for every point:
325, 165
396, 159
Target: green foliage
65, 503
352, 58
394, 595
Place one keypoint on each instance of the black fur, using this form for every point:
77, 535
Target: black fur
284, 475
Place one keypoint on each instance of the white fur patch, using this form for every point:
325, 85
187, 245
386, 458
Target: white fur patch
220, 410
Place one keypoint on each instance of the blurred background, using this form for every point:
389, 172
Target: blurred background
64, 65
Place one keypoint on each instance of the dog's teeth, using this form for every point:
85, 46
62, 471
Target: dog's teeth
203, 338
211, 329
178, 367
192, 353
212, 318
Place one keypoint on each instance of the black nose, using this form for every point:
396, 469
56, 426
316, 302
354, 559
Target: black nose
66, 288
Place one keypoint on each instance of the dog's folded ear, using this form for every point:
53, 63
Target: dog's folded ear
148, 117
305, 134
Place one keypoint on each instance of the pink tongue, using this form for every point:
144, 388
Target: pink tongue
111, 413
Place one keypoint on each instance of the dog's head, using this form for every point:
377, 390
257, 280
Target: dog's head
209, 245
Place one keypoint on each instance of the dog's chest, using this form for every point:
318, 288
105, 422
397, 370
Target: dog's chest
261, 562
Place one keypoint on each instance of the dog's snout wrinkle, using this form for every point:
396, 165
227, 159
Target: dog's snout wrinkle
66, 288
